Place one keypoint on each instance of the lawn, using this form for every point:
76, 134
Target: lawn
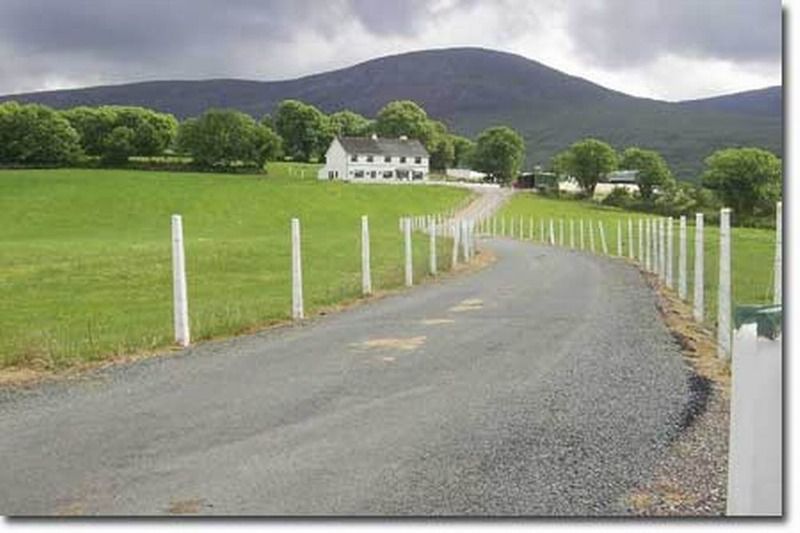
85, 264
753, 249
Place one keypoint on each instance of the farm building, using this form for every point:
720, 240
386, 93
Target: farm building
465, 174
375, 158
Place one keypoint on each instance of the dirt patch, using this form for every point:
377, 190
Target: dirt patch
392, 343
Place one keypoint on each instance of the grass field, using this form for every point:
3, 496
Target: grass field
753, 249
85, 264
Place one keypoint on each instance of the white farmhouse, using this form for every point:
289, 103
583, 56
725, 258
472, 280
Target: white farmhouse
375, 158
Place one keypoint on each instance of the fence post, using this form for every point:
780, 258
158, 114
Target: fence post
408, 255
572, 233
602, 237
670, 258
541, 231
511, 228
662, 249
591, 237
552, 234
777, 292
641, 240
456, 244
180, 307
583, 239
494, 226
530, 228
724, 291
432, 245
561, 232
366, 273
682, 259
503, 226
619, 238
647, 231
464, 240
297, 272
697, 302
654, 241
630, 239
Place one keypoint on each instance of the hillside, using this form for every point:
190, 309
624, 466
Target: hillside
762, 102
471, 89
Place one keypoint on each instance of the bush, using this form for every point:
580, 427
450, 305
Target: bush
118, 146
34, 134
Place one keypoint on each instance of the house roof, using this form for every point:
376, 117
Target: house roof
383, 146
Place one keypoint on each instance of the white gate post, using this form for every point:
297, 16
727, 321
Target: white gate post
619, 238
670, 258
698, 305
408, 255
572, 233
602, 237
180, 304
366, 272
297, 273
682, 259
777, 292
724, 291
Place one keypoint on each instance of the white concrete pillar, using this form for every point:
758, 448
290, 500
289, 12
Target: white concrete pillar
432, 247
698, 306
366, 272
180, 301
669, 254
409, 263
297, 273
724, 291
777, 292
682, 259
602, 231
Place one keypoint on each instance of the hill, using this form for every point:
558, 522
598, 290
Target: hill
471, 89
761, 102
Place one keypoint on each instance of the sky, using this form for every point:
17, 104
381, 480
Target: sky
665, 49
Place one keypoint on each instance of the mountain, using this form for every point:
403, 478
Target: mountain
761, 102
471, 89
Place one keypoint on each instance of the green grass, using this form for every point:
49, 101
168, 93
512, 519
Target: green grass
85, 255
753, 249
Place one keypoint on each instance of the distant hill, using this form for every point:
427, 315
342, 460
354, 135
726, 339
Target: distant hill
471, 89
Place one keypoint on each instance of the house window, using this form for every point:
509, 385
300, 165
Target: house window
387, 173
418, 160
369, 159
354, 158
417, 175
359, 174
387, 159
330, 174
403, 159
373, 174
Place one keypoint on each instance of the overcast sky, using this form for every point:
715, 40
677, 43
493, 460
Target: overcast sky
667, 49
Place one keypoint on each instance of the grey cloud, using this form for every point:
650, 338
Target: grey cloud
629, 33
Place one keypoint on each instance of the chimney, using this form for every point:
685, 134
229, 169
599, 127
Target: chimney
403, 138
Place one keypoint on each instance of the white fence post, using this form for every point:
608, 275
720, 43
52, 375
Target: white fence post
619, 238
464, 240
571, 233
777, 292
724, 291
541, 231
591, 237
662, 249
630, 239
494, 226
521, 234
561, 232
366, 272
180, 307
641, 240
432, 245
552, 234
602, 237
297, 272
456, 244
583, 239
503, 226
755, 465
682, 259
530, 228
409, 270
670, 258
698, 305
511, 228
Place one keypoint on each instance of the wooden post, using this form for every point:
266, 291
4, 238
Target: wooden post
180, 308
503, 226
583, 240
619, 238
662, 249
511, 228
456, 244
697, 302
530, 228
366, 272
521, 235
432, 246
591, 237
602, 237
464, 240
541, 231
641, 241
409, 270
561, 232
682, 259
724, 291
571, 233
777, 292
297, 273
647, 234
630, 239
552, 234
494, 226
670, 258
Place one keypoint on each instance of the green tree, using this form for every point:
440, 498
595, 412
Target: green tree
118, 146
349, 124
36, 134
404, 117
499, 151
587, 161
463, 150
652, 170
748, 180
224, 137
93, 124
440, 147
305, 130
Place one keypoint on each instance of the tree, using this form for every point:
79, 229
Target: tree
587, 161
118, 146
349, 124
224, 137
93, 124
463, 149
404, 117
440, 146
305, 130
746, 179
36, 134
499, 151
652, 170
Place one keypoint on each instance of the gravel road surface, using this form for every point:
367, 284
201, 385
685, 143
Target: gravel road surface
545, 384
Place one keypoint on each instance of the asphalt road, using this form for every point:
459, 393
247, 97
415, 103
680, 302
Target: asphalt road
545, 384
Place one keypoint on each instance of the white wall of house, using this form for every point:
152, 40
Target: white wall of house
369, 167
465, 174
